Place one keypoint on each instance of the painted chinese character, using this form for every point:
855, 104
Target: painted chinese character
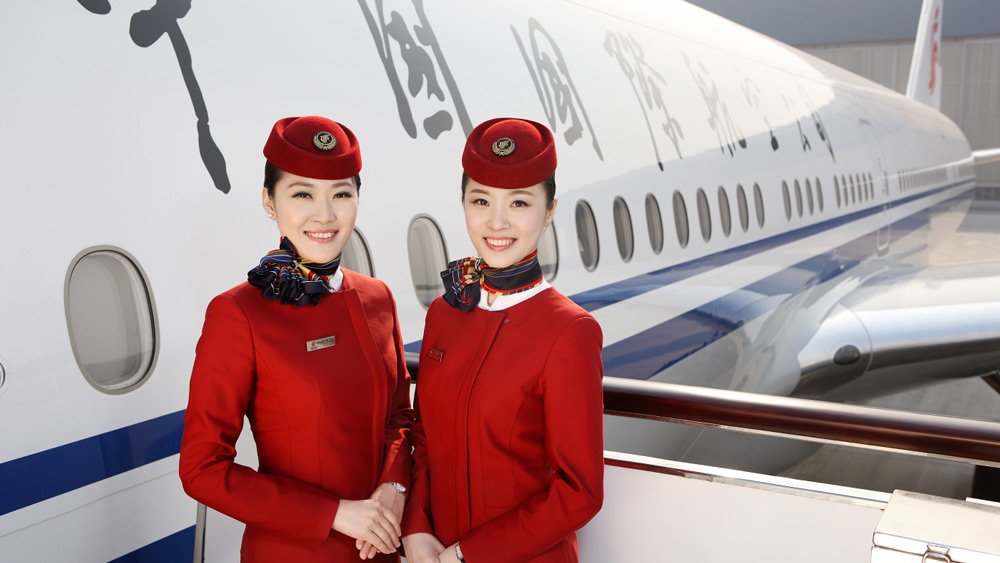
429, 82
646, 85
146, 28
560, 100
752, 94
719, 120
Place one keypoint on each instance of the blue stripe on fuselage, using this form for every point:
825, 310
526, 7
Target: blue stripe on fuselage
50, 473
175, 547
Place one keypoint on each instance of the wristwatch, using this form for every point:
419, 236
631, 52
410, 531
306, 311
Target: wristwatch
458, 553
398, 486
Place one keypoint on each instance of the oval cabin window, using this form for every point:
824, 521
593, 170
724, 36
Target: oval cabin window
704, 216
725, 214
798, 198
586, 235
681, 220
758, 203
548, 252
111, 319
623, 228
741, 206
809, 196
428, 257
819, 194
654, 223
356, 256
787, 199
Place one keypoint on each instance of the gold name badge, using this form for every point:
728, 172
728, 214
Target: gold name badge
321, 343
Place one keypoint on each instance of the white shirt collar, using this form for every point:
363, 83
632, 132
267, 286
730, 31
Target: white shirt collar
337, 280
507, 301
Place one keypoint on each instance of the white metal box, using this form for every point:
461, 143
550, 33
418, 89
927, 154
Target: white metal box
924, 528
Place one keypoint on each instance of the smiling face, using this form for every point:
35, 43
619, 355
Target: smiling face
505, 225
317, 216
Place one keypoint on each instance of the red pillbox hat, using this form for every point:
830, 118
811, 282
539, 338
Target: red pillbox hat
509, 153
314, 147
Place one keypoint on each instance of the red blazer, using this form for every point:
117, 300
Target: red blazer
508, 448
330, 423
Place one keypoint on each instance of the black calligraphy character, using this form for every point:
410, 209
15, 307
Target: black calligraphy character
719, 119
803, 138
824, 135
806, 145
554, 85
420, 51
646, 83
146, 28
752, 94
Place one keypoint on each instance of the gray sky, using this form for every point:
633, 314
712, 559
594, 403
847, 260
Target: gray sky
804, 22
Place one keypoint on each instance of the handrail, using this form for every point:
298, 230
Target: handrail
937, 436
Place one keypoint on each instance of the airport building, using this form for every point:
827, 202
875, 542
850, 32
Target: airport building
875, 40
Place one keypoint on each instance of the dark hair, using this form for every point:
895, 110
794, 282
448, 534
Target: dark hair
549, 184
272, 174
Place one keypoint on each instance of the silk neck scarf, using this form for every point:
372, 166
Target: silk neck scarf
465, 279
283, 275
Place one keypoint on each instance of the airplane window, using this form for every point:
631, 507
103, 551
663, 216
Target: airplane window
854, 193
809, 195
654, 223
871, 185
356, 256
786, 199
758, 203
586, 235
428, 256
836, 189
111, 319
548, 252
725, 214
623, 229
843, 186
819, 194
857, 182
741, 205
798, 197
704, 215
681, 220
3, 376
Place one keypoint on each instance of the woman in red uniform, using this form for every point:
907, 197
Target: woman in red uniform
311, 354
508, 458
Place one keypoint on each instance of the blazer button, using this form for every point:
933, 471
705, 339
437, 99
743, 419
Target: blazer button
506, 321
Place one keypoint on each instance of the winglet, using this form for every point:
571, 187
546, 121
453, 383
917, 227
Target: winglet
924, 84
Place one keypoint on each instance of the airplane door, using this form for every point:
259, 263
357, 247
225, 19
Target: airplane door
881, 178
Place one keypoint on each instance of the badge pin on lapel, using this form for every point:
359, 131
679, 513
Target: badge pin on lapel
321, 343
435, 354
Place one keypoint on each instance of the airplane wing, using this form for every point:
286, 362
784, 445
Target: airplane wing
903, 327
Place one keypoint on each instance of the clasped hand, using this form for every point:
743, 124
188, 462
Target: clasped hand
373, 522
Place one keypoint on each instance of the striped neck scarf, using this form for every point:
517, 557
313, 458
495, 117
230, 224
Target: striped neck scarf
284, 276
465, 279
